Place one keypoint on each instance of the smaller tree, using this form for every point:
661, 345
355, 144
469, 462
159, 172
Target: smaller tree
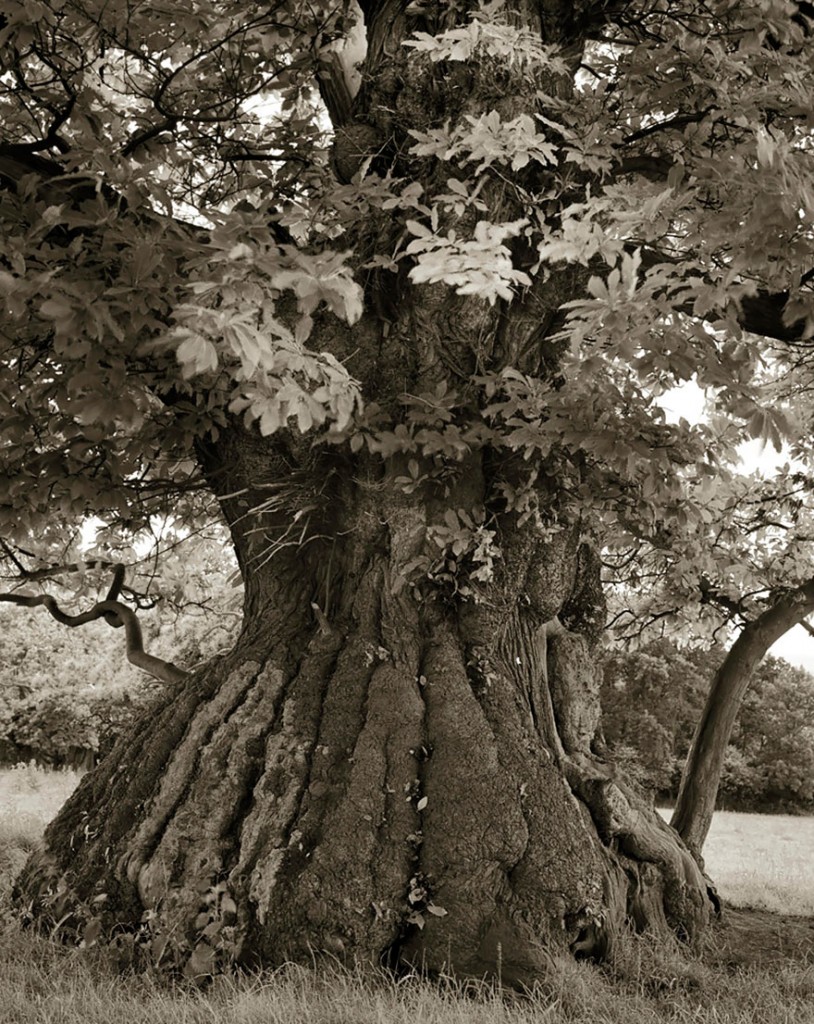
739, 566
702, 773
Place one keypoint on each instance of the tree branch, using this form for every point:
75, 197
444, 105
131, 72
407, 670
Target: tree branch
758, 314
763, 314
115, 614
678, 121
337, 75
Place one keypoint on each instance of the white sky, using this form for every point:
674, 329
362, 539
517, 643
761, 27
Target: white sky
797, 646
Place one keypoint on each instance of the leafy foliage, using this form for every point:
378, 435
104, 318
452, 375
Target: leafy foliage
676, 170
770, 759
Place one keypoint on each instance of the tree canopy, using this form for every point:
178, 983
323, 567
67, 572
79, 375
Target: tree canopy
181, 209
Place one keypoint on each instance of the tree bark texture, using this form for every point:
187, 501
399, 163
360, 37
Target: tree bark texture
701, 777
378, 770
384, 769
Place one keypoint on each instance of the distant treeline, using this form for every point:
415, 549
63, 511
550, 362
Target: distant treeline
652, 699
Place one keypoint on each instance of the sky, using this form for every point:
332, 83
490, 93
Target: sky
797, 646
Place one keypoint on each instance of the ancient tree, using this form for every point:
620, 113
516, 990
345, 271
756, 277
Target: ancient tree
397, 284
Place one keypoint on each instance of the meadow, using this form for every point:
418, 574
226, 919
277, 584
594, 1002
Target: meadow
764, 861
760, 861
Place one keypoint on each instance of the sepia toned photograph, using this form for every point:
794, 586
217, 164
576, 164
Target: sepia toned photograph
406, 512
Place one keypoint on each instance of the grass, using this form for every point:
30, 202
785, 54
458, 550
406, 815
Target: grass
29, 798
47, 984
762, 860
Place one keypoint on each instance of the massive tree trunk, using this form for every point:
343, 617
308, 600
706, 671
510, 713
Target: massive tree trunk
378, 770
393, 765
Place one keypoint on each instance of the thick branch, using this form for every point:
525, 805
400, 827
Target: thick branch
52, 571
115, 614
759, 314
763, 314
56, 185
338, 76
678, 121
597, 14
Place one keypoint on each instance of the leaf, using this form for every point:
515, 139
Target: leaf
270, 421
91, 931
676, 175
57, 308
630, 271
241, 251
766, 147
201, 963
422, 803
196, 354
420, 230
353, 301
304, 418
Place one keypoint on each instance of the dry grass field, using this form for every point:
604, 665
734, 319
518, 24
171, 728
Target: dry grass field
758, 861
764, 861
29, 798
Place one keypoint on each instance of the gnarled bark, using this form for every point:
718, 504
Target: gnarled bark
379, 770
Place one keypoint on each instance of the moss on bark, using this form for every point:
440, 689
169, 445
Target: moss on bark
409, 781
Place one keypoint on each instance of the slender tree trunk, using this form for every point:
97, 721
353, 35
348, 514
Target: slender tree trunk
702, 773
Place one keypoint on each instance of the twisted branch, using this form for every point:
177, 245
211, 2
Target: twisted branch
116, 615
